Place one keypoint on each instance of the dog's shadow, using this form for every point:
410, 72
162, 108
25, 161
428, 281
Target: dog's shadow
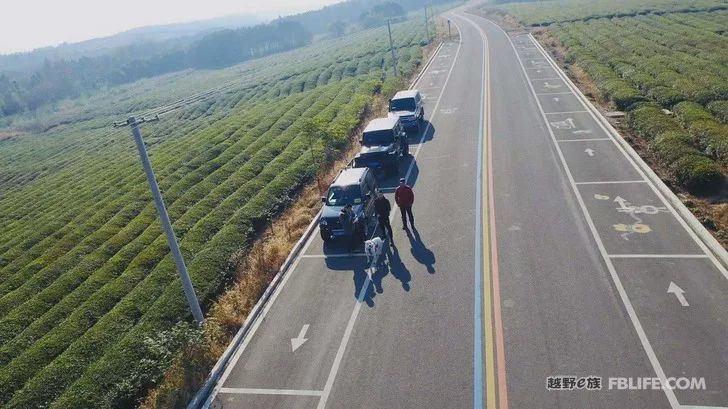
390, 262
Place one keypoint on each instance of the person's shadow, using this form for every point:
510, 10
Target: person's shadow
397, 268
392, 265
419, 251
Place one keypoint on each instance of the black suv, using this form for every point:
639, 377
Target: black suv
354, 186
383, 143
408, 107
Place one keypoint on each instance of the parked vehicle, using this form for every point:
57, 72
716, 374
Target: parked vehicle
408, 107
354, 186
383, 142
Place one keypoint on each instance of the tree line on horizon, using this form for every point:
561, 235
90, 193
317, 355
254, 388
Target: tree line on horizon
63, 78
59, 79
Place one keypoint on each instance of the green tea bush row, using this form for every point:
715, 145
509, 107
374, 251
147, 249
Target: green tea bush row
673, 148
711, 135
719, 109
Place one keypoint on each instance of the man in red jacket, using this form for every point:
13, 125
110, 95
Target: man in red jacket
405, 197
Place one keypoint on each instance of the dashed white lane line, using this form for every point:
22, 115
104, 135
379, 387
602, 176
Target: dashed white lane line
564, 112
611, 131
658, 256
610, 182
333, 255
287, 392
584, 140
365, 287
554, 93
641, 334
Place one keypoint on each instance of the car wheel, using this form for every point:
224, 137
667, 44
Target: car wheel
326, 236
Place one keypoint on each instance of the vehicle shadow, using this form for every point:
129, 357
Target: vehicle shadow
387, 184
340, 247
419, 250
358, 266
425, 135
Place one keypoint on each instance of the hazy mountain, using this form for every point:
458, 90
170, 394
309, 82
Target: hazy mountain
164, 38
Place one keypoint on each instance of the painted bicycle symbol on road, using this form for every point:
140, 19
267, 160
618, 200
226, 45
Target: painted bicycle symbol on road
638, 227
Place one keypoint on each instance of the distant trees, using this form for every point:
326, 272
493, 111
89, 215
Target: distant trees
379, 14
337, 28
59, 79
229, 47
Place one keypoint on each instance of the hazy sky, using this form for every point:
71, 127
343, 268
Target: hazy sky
28, 24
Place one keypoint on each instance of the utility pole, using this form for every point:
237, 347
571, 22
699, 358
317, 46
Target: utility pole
391, 46
162, 210
449, 33
427, 24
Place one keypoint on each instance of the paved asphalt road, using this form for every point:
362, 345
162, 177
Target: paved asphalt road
540, 250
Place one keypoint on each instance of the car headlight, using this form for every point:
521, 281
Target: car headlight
324, 222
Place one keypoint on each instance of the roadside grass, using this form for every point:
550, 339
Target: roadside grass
663, 63
189, 369
91, 310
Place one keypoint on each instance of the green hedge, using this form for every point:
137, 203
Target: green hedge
719, 109
674, 148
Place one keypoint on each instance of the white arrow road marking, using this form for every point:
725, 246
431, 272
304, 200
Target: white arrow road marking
679, 293
556, 99
547, 85
589, 151
623, 203
582, 131
298, 341
601, 197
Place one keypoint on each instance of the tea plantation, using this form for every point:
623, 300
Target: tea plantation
85, 271
650, 56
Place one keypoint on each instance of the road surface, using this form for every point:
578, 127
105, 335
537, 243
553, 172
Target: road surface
540, 250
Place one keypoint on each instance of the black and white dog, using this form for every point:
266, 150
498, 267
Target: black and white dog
373, 248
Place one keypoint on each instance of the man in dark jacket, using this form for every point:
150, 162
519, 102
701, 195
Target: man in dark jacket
382, 208
346, 218
405, 197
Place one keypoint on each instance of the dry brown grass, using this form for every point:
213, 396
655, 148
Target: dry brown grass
255, 270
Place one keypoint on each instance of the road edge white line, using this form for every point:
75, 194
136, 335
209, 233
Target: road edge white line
685, 217
658, 256
257, 391
357, 307
233, 352
646, 345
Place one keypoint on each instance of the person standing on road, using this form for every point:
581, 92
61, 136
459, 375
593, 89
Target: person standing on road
382, 208
346, 218
405, 197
